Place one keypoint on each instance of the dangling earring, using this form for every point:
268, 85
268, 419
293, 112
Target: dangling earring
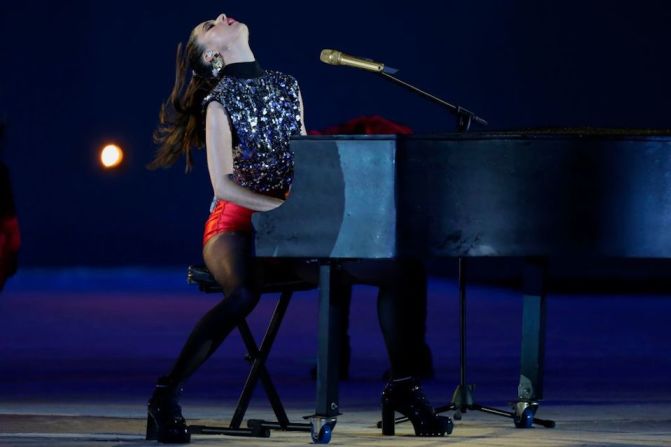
217, 64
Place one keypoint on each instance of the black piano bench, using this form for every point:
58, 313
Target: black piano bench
199, 275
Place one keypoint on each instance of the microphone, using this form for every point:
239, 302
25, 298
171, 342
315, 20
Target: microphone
333, 57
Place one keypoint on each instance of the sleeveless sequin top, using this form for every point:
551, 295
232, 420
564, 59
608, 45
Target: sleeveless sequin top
264, 110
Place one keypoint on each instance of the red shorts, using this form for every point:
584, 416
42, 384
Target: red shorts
225, 217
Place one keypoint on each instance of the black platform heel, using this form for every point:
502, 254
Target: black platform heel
165, 422
406, 397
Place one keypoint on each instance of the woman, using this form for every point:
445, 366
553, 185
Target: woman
248, 115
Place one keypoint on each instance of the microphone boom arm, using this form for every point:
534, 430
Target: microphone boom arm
464, 116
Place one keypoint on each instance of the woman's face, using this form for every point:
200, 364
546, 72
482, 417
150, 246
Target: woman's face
220, 33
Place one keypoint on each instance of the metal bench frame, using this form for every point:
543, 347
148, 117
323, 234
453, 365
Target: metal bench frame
257, 357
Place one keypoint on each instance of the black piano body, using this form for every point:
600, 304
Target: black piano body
537, 195
594, 195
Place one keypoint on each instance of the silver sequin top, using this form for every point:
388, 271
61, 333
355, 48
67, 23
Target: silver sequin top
264, 113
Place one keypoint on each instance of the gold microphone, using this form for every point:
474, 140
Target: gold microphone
333, 57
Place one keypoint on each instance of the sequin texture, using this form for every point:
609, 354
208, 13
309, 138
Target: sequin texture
264, 113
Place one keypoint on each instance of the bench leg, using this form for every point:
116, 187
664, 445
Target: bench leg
258, 370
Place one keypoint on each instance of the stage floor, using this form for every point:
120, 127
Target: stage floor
80, 350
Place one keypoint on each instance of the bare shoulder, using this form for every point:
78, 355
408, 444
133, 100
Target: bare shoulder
215, 107
215, 113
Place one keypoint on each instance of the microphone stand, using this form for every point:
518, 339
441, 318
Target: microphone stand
464, 116
523, 413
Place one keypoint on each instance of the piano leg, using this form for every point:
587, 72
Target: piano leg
533, 342
327, 409
532, 353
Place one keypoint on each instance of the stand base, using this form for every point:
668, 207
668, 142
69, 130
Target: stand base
523, 413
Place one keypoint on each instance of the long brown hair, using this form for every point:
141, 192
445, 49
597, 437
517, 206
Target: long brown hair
181, 119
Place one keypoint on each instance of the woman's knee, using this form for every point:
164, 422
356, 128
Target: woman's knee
235, 305
243, 299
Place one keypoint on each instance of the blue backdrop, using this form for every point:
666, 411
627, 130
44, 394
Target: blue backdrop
76, 75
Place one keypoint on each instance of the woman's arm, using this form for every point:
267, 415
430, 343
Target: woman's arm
300, 101
219, 143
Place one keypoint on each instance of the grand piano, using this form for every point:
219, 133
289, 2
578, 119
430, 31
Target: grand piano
572, 194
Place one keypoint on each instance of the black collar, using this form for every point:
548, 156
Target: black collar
244, 70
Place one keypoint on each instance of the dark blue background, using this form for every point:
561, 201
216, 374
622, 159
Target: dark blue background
77, 75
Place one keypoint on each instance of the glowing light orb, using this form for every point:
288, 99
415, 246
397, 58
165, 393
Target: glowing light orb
111, 156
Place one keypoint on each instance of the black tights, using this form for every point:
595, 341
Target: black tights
228, 258
401, 303
401, 310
